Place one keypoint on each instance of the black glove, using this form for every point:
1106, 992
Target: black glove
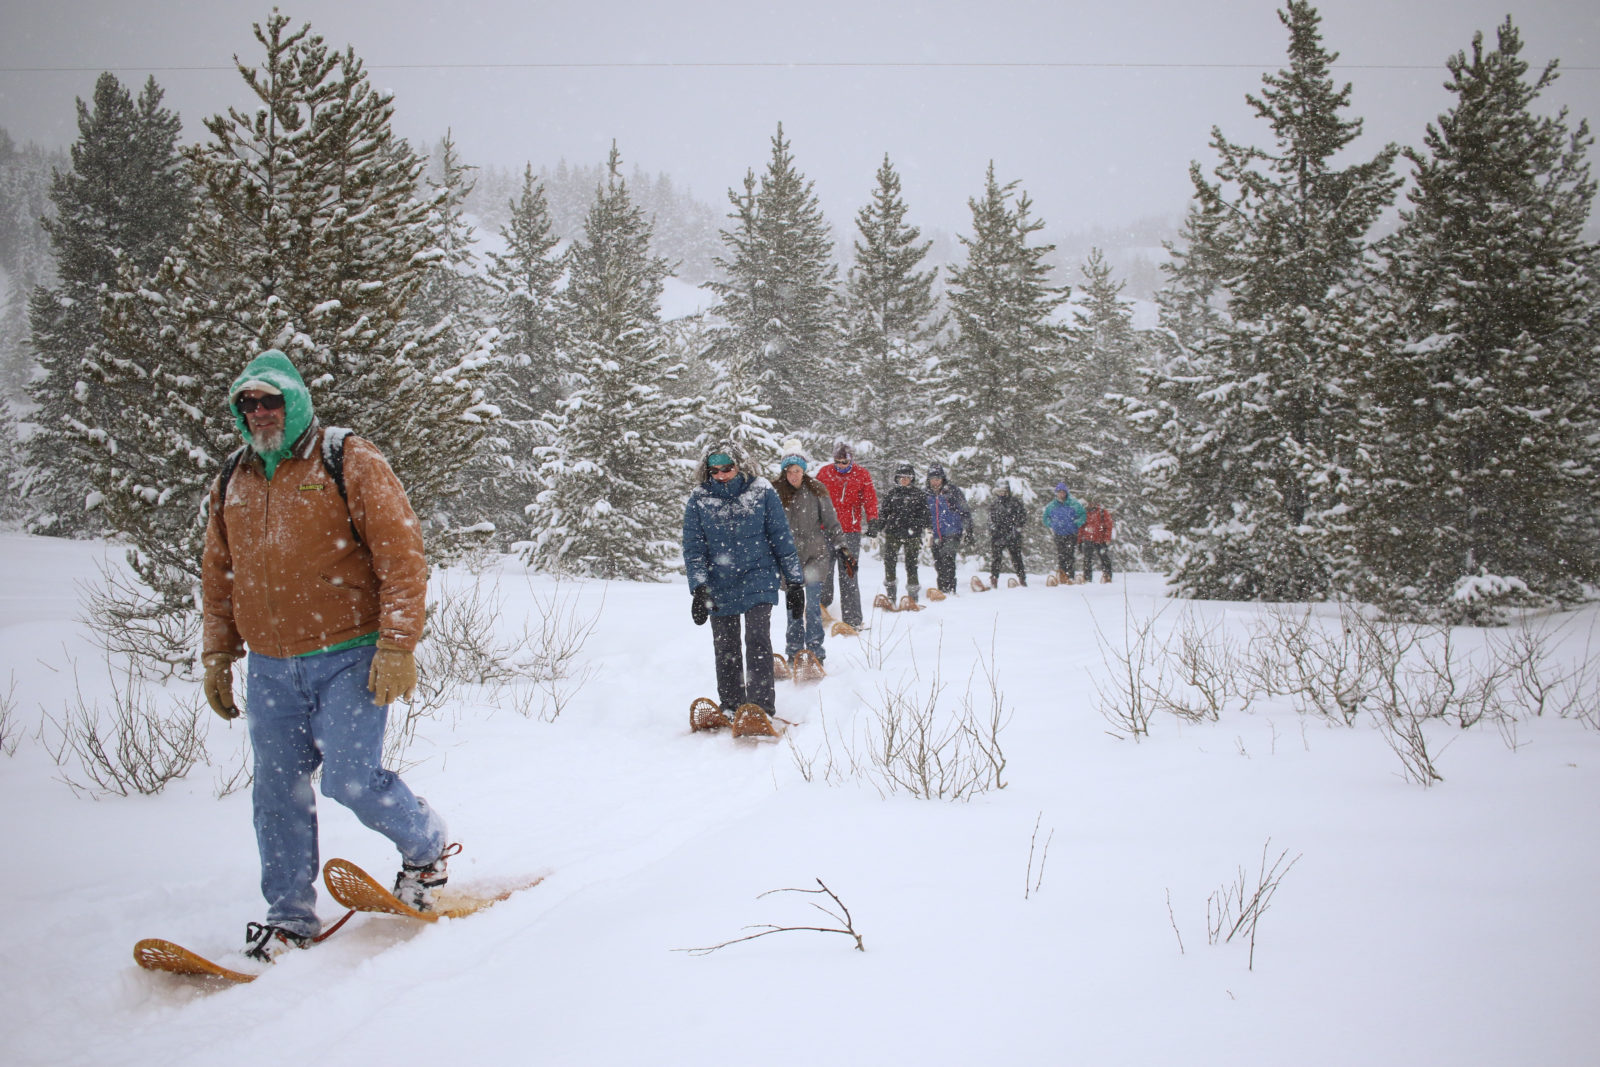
848, 560
796, 597
700, 607
874, 527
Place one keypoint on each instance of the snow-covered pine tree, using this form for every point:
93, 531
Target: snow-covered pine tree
1252, 428
1109, 353
999, 379
124, 202
1480, 435
522, 283
611, 477
892, 321
309, 237
776, 297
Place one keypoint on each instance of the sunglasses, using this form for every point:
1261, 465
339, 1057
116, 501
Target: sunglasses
271, 402
724, 468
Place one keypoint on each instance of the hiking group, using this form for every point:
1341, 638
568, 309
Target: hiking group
313, 563
746, 540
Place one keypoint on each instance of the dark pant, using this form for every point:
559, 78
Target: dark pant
744, 674
1093, 550
997, 552
944, 562
1066, 549
893, 548
849, 585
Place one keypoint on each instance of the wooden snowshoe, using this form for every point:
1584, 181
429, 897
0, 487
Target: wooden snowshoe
752, 722
1051, 580
908, 603
883, 603
844, 629
706, 714
780, 668
978, 586
359, 891
807, 667
158, 954
1012, 583
1105, 578
827, 616
936, 594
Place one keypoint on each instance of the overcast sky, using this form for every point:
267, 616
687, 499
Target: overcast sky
1097, 108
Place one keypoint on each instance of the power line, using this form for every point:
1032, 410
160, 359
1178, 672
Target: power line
778, 65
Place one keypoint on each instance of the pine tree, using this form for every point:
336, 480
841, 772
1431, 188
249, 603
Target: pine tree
123, 204
309, 237
610, 504
776, 295
1111, 351
522, 284
1252, 431
892, 321
1001, 398
1481, 434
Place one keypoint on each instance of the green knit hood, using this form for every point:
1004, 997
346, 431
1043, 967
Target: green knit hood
273, 369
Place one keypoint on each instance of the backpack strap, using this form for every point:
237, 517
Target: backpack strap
229, 465
333, 439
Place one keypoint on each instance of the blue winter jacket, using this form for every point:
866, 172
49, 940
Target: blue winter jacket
736, 541
1064, 517
948, 513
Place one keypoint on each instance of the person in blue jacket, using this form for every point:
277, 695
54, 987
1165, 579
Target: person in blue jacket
736, 546
1064, 515
949, 518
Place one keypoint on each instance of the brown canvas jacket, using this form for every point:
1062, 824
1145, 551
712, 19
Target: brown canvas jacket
282, 573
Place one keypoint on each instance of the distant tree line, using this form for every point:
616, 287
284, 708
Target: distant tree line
1321, 412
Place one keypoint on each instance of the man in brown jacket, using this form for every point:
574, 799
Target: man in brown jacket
325, 585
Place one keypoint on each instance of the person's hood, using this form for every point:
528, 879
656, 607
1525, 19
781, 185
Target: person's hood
703, 469
272, 372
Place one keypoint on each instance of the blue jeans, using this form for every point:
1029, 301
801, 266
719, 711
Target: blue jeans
806, 631
316, 710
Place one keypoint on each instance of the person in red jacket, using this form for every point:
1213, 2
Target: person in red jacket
1095, 540
855, 501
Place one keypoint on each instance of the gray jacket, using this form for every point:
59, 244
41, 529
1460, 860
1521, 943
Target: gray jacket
814, 524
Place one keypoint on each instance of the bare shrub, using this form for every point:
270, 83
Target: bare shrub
10, 728
552, 643
133, 625
134, 746
915, 743
841, 916
1030, 884
1207, 665
1237, 908
1138, 684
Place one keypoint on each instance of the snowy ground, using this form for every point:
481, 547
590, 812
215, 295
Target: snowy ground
1451, 925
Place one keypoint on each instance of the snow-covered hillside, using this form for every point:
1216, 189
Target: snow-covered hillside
1062, 919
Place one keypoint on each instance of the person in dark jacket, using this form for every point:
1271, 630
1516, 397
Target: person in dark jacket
1006, 519
903, 518
736, 544
817, 538
948, 518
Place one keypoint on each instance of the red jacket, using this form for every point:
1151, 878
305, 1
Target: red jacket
1096, 526
855, 501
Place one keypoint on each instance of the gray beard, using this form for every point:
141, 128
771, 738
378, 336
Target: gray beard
271, 441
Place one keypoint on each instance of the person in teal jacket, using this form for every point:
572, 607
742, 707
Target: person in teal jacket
1065, 515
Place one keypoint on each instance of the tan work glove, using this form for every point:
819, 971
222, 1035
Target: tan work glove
218, 683
394, 674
